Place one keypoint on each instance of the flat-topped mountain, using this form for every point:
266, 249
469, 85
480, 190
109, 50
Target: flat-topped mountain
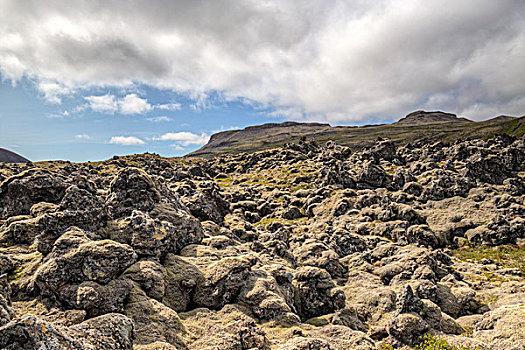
260, 137
7, 156
272, 130
419, 125
422, 117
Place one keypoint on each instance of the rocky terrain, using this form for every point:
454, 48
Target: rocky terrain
306, 246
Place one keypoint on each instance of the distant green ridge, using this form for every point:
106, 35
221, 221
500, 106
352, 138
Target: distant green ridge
420, 125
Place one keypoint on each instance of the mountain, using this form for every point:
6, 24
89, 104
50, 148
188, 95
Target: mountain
260, 137
501, 118
422, 117
419, 125
7, 156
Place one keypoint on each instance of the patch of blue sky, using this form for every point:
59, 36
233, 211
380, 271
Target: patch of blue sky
71, 130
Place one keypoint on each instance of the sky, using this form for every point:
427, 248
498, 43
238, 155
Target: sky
86, 80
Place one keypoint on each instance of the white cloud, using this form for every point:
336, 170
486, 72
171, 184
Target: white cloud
109, 104
177, 147
57, 115
338, 60
185, 138
83, 137
288, 113
53, 92
169, 106
126, 140
225, 128
103, 104
132, 104
202, 102
159, 119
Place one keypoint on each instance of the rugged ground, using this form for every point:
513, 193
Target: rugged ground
307, 246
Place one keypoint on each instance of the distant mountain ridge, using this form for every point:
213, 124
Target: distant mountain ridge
230, 137
418, 125
7, 156
422, 117
501, 118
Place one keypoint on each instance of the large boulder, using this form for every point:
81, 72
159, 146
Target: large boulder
383, 149
488, 168
19, 192
336, 173
440, 184
96, 299
373, 175
76, 259
315, 293
6, 312
180, 280
133, 189
315, 253
398, 264
20, 230
269, 294
154, 321
222, 281
150, 276
332, 337
110, 331
168, 231
503, 328
6, 264
78, 207
345, 243
207, 203
423, 235
228, 329
406, 329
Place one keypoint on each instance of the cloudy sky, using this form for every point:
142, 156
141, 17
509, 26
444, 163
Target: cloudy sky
84, 80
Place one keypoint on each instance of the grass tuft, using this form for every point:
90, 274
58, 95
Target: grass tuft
432, 342
512, 256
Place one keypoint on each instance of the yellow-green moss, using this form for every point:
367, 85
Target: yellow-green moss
512, 256
16, 274
432, 342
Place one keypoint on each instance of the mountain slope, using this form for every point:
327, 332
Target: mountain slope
427, 126
422, 117
260, 137
7, 156
501, 118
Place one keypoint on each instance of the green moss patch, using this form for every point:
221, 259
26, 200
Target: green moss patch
512, 256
